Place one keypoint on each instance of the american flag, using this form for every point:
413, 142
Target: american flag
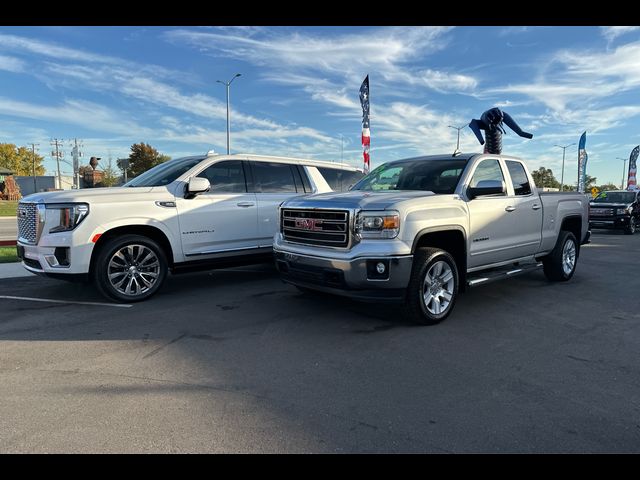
366, 136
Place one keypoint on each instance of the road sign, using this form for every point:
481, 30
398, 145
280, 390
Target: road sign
595, 192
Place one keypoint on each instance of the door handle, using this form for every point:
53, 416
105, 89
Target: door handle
510, 208
245, 204
536, 206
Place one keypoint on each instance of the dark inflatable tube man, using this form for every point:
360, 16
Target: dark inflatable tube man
491, 122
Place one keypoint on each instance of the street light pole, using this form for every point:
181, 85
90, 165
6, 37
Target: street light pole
458, 142
563, 151
624, 171
228, 85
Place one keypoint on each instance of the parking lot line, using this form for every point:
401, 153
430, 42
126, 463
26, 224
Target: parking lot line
31, 299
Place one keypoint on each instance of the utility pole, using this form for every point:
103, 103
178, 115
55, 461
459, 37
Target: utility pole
76, 153
458, 142
33, 160
57, 154
562, 176
228, 84
624, 171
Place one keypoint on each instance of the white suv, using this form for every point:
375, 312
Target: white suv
189, 213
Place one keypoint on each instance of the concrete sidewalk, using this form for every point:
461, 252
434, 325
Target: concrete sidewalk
12, 270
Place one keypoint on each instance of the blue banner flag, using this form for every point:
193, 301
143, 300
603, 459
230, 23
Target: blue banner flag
582, 162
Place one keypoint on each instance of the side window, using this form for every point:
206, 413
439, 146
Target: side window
271, 177
340, 180
302, 174
519, 178
226, 177
487, 170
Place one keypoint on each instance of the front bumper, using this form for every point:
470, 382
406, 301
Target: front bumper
60, 255
351, 278
617, 221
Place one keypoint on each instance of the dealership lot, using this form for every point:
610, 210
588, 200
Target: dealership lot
236, 361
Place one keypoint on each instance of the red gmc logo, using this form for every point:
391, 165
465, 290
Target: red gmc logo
308, 224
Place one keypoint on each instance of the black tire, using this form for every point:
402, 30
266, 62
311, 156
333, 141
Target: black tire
415, 308
632, 227
106, 264
554, 265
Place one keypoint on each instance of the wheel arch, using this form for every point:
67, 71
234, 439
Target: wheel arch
149, 231
450, 238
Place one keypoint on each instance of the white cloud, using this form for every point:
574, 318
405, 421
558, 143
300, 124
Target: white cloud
11, 64
611, 33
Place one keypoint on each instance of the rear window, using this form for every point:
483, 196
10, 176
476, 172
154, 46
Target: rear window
519, 178
340, 180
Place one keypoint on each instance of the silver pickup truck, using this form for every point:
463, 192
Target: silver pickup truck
420, 230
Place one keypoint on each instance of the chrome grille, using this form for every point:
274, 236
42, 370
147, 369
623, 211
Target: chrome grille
328, 228
27, 223
601, 212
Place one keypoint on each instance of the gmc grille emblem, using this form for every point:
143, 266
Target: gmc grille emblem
309, 224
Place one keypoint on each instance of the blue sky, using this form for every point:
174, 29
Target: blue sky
298, 94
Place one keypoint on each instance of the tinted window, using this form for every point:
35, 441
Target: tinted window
615, 197
273, 177
487, 170
437, 176
519, 178
165, 173
226, 177
340, 180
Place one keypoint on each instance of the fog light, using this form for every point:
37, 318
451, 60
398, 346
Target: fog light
380, 268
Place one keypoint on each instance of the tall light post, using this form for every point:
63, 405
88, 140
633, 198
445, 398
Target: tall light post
624, 171
564, 148
458, 142
228, 84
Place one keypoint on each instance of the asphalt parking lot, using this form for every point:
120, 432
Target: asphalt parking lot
236, 361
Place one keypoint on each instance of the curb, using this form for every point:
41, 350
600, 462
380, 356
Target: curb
8, 243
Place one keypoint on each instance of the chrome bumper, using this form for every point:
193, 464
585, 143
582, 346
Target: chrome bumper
352, 278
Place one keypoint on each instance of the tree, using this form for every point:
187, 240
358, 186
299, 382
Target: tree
589, 182
543, 177
110, 176
143, 157
607, 187
20, 160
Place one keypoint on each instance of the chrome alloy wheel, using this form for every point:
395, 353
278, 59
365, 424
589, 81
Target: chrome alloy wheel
438, 288
133, 269
568, 257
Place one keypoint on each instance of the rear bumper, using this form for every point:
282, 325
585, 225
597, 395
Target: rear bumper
351, 278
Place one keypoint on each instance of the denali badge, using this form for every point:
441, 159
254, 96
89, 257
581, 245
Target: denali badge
309, 224
22, 213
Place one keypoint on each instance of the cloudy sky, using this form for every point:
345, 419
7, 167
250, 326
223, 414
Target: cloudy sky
298, 93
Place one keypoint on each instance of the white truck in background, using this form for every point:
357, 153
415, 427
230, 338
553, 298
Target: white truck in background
190, 213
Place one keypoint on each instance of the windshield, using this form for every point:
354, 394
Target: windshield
615, 197
437, 176
165, 173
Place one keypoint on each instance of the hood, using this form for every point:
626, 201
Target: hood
88, 195
356, 199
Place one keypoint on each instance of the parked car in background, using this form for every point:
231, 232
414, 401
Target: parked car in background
417, 231
190, 213
617, 209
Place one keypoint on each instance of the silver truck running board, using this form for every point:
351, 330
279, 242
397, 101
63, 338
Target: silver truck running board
488, 276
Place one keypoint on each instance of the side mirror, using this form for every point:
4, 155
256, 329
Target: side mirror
486, 187
196, 186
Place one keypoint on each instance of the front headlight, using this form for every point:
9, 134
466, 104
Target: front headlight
624, 211
68, 215
385, 224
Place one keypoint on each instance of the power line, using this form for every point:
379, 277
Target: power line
57, 154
